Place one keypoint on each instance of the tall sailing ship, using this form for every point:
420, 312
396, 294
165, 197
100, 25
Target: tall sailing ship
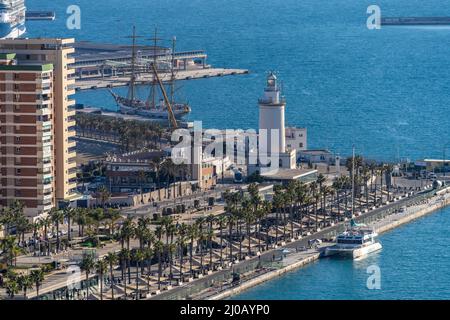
152, 107
12, 18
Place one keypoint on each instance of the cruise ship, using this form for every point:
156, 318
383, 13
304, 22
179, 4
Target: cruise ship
356, 242
12, 18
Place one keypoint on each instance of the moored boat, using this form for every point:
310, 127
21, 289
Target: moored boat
357, 241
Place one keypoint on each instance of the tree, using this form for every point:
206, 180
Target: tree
87, 264
111, 259
25, 282
181, 243
81, 218
278, 202
11, 249
124, 257
104, 195
101, 267
57, 217
159, 247
221, 221
37, 276
192, 234
12, 288
138, 257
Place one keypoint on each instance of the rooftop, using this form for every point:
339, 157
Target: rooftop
316, 152
288, 174
141, 156
26, 67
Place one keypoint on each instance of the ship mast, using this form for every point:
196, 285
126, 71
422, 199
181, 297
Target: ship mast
353, 181
153, 83
132, 86
172, 78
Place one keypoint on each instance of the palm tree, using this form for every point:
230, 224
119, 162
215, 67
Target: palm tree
221, 221
159, 247
142, 231
101, 267
192, 234
291, 197
6, 245
201, 237
249, 218
277, 203
210, 235
37, 276
181, 243
104, 195
81, 218
148, 253
57, 217
12, 288
124, 257
138, 257
46, 223
113, 216
69, 214
111, 258
25, 282
87, 264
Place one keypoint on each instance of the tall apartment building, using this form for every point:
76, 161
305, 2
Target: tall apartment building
37, 126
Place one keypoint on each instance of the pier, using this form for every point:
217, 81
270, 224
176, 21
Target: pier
120, 81
100, 65
40, 15
417, 21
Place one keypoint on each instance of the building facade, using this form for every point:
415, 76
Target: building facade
296, 139
37, 146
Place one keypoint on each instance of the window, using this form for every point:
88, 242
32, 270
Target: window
18, 171
17, 139
17, 150
300, 145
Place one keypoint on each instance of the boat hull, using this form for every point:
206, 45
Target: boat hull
153, 114
140, 108
353, 253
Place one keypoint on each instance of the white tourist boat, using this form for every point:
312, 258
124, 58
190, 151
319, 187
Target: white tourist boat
358, 241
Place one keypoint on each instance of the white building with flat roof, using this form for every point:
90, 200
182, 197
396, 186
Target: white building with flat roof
296, 139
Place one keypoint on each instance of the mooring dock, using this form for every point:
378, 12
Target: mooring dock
120, 81
103, 65
415, 21
40, 15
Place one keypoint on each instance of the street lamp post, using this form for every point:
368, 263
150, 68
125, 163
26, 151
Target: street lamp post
443, 156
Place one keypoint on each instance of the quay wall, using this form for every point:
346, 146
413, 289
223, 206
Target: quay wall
265, 277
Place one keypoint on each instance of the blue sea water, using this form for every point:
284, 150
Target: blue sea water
413, 264
386, 91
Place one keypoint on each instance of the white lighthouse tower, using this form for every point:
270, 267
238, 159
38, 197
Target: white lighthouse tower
271, 117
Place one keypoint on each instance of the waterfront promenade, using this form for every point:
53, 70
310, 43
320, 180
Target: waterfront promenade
420, 206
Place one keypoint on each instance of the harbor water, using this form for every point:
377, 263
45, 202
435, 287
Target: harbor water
386, 91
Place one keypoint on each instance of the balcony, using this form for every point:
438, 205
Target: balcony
71, 150
72, 160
